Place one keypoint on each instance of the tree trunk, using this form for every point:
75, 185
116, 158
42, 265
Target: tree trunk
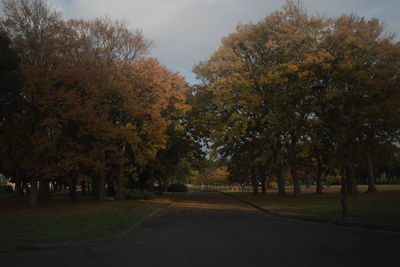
319, 174
72, 189
110, 190
160, 186
371, 177
279, 169
19, 190
281, 182
95, 190
101, 196
351, 180
293, 172
343, 193
118, 189
44, 190
165, 183
83, 186
263, 181
254, 181
34, 192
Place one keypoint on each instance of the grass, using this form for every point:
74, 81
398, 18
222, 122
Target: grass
381, 208
60, 220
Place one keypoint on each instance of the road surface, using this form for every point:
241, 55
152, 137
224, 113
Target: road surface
211, 229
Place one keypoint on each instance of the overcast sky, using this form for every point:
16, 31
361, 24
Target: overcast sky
188, 31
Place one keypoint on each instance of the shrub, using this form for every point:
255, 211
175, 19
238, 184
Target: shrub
139, 194
6, 190
178, 188
274, 184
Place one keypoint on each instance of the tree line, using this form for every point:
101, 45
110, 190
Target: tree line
303, 94
81, 105
293, 95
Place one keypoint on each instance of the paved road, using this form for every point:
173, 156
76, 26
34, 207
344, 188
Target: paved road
211, 229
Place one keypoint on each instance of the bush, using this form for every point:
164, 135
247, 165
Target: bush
6, 190
139, 194
178, 188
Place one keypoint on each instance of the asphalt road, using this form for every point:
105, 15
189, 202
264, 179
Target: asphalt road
211, 229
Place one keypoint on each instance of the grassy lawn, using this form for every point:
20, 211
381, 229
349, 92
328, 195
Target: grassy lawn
60, 220
376, 208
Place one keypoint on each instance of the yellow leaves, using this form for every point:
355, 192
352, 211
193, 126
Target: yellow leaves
291, 68
332, 94
311, 59
179, 128
270, 44
130, 126
305, 74
325, 56
346, 65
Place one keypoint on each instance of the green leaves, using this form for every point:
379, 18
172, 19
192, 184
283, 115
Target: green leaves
261, 77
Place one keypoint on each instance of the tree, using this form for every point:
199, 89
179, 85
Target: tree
96, 107
11, 113
260, 82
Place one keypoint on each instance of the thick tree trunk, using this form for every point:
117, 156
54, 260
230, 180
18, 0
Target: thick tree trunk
19, 190
101, 196
165, 183
110, 190
263, 182
343, 197
295, 178
44, 190
279, 169
371, 177
293, 168
34, 192
83, 186
319, 174
118, 189
253, 179
160, 187
281, 181
95, 188
351, 180
72, 189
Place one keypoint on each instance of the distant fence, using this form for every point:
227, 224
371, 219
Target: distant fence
230, 188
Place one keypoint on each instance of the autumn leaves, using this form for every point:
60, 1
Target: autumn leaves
88, 108
267, 118
92, 110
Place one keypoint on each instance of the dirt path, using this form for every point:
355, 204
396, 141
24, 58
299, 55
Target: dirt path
211, 229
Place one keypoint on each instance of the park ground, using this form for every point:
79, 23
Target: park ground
212, 229
381, 208
60, 220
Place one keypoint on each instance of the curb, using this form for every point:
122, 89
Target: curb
116, 237
386, 228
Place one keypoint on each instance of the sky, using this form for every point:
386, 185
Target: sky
186, 32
